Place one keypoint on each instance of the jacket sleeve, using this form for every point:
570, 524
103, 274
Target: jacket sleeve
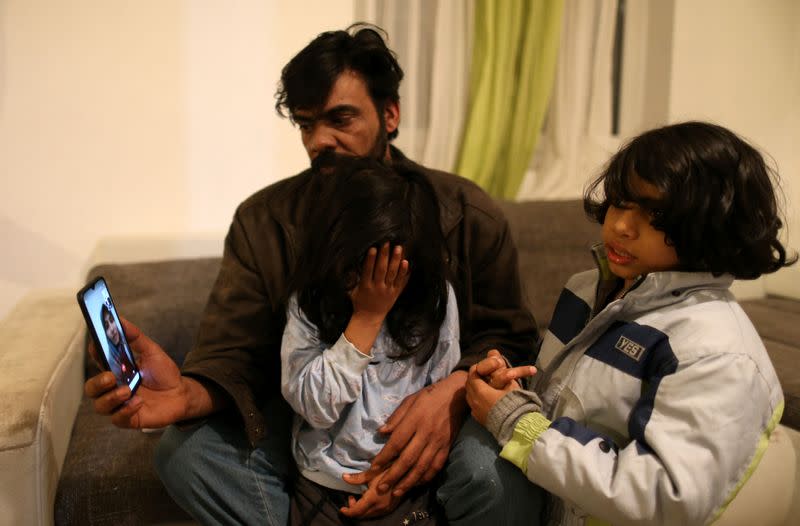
318, 381
697, 433
496, 316
238, 342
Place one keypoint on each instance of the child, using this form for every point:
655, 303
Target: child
371, 320
654, 398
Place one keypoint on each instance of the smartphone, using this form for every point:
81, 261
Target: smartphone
106, 330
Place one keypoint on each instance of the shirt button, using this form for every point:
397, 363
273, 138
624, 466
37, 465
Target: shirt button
605, 447
251, 414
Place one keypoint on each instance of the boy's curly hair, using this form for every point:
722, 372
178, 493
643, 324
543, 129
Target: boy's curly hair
719, 208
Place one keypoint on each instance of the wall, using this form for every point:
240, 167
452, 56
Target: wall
737, 62
148, 118
155, 118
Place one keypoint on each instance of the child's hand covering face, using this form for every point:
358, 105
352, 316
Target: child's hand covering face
383, 278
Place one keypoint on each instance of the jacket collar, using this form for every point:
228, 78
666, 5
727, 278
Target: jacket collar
657, 289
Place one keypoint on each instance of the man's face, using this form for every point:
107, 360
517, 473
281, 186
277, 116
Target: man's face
348, 123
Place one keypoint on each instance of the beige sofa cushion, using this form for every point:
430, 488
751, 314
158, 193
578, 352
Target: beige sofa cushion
766, 497
41, 383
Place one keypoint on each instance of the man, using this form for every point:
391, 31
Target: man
227, 459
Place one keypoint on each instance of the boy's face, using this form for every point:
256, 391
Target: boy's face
633, 245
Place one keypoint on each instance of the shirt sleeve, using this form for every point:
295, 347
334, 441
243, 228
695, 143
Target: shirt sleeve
696, 435
238, 340
317, 380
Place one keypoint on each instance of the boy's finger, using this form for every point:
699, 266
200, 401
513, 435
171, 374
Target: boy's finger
477, 386
489, 365
500, 378
523, 371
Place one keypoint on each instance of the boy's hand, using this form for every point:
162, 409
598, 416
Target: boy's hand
495, 370
489, 380
382, 279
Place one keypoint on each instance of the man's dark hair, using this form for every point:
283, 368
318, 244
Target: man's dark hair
719, 208
365, 203
307, 80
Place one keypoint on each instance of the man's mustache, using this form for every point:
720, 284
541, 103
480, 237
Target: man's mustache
327, 161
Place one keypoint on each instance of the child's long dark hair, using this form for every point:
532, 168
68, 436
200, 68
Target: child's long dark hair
362, 204
719, 208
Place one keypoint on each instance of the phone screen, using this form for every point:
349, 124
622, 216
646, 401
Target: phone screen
106, 330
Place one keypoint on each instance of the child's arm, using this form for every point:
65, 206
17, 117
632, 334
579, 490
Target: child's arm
488, 384
320, 381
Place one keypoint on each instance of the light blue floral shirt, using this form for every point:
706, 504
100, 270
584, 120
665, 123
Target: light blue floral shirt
341, 396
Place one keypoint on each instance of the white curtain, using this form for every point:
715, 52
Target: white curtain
577, 139
433, 42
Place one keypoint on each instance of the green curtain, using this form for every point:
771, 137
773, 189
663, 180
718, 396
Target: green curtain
513, 70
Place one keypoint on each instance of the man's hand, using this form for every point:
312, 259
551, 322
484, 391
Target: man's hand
164, 396
372, 502
422, 430
489, 380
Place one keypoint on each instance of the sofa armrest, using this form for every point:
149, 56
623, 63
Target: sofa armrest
41, 358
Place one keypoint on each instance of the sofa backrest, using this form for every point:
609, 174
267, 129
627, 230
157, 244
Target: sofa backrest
554, 240
166, 298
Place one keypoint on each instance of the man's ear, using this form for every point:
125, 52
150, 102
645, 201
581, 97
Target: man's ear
391, 115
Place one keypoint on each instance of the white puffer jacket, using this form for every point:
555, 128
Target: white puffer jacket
655, 410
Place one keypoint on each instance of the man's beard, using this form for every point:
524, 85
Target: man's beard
327, 160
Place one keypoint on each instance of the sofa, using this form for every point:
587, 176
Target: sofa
61, 463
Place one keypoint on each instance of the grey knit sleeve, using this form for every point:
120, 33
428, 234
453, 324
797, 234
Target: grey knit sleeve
504, 415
